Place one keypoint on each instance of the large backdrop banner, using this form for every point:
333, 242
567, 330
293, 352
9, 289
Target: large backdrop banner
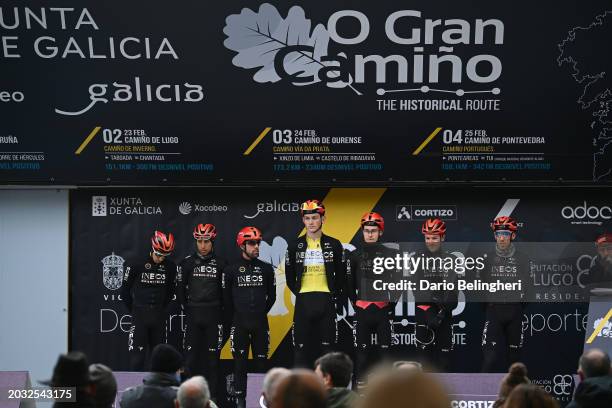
109, 228
250, 91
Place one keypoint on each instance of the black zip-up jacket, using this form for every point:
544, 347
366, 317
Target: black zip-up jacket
146, 283
508, 267
333, 258
436, 269
200, 280
361, 275
158, 391
249, 287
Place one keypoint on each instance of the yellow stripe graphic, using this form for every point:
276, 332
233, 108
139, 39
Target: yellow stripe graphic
88, 139
256, 141
600, 326
343, 208
426, 141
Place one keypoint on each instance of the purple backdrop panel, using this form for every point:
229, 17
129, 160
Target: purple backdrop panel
462, 389
126, 379
14, 380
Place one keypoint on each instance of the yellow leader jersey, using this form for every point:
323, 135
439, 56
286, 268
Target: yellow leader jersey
314, 278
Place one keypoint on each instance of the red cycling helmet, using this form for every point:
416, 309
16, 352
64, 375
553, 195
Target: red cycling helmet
604, 239
312, 207
434, 226
205, 231
373, 219
247, 234
504, 223
162, 244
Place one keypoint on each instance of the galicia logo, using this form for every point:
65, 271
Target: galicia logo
587, 215
98, 206
273, 206
185, 208
137, 92
112, 271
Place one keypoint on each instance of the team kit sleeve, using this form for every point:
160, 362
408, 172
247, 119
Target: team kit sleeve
181, 283
227, 293
290, 267
339, 268
170, 283
270, 288
222, 265
351, 276
129, 277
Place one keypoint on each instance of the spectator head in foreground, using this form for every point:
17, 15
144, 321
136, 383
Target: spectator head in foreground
72, 370
530, 396
335, 369
593, 363
411, 366
517, 374
166, 359
103, 385
270, 382
404, 388
193, 393
300, 389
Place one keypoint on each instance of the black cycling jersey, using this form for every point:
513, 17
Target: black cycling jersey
249, 287
436, 267
507, 266
361, 275
333, 258
502, 336
146, 283
200, 280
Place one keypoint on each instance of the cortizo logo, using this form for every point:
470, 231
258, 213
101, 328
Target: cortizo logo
274, 206
471, 404
137, 92
587, 214
409, 212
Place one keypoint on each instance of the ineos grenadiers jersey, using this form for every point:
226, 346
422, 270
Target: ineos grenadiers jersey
333, 261
361, 275
249, 287
200, 280
146, 283
508, 266
436, 267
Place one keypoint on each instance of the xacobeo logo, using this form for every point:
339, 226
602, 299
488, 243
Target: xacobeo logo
185, 208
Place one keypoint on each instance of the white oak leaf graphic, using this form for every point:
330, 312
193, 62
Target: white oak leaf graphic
257, 37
